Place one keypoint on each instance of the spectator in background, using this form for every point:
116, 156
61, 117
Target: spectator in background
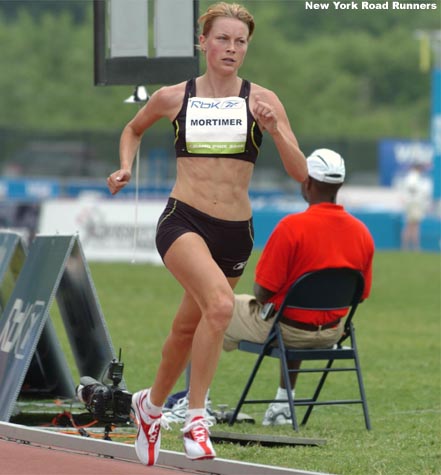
325, 235
416, 190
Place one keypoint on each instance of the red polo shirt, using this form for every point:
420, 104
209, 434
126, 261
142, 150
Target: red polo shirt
325, 235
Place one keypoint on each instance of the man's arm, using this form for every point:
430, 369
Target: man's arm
262, 295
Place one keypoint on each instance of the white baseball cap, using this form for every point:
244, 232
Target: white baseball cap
326, 166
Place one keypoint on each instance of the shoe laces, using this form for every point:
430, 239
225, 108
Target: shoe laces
155, 427
199, 428
153, 431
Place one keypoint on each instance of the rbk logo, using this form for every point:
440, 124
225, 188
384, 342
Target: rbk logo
216, 104
19, 325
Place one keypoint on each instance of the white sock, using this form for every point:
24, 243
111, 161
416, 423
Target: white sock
150, 408
282, 393
192, 413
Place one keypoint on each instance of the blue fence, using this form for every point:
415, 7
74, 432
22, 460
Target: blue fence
384, 226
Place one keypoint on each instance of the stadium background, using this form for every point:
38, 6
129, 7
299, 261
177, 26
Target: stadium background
362, 83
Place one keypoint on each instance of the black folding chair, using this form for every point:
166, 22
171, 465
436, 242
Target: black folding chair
326, 289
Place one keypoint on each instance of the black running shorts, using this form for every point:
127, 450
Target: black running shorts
230, 242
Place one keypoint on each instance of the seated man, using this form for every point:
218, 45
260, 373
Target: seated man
325, 235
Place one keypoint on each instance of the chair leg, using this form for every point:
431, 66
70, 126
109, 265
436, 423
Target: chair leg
317, 392
360, 384
287, 381
247, 388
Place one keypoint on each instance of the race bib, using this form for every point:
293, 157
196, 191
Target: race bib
216, 126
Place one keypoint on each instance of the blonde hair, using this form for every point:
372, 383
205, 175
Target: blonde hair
229, 10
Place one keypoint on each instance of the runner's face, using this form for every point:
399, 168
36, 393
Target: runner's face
226, 44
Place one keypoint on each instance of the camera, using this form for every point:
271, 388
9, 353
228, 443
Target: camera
107, 403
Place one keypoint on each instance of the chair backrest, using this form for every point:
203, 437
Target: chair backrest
325, 289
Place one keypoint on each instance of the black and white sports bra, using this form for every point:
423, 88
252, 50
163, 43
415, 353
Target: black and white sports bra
217, 127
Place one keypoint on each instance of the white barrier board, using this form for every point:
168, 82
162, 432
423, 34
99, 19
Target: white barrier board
108, 230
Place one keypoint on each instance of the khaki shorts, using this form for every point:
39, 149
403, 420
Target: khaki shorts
415, 213
246, 324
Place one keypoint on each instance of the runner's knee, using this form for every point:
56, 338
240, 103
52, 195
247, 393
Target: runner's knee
219, 311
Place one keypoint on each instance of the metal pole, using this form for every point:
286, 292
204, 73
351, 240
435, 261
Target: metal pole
99, 42
140, 97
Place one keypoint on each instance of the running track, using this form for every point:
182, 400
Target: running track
30, 451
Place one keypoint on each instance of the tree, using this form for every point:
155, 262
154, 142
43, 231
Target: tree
339, 74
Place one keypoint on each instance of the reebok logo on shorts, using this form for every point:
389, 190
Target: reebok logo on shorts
240, 265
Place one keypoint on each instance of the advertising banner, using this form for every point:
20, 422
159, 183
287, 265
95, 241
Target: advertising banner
397, 155
108, 230
55, 267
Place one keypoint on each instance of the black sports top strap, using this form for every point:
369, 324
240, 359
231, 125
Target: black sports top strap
254, 134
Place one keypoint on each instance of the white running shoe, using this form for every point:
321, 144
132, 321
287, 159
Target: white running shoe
148, 438
277, 414
197, 443
179, 410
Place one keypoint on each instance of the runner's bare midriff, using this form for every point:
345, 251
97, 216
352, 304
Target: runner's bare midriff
216, 186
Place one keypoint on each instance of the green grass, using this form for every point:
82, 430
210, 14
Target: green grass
398, 334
